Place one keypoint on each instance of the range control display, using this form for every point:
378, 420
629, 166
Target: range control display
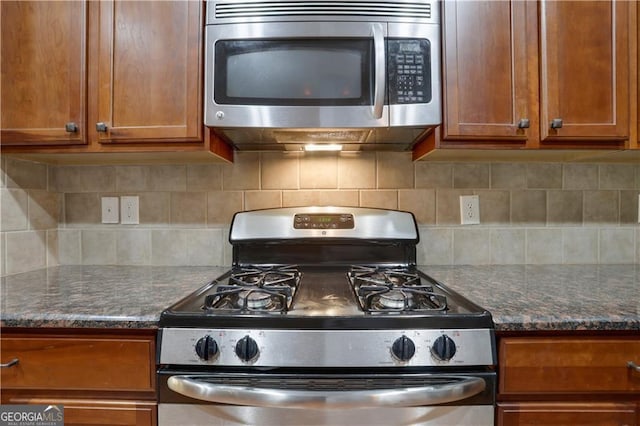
323, 221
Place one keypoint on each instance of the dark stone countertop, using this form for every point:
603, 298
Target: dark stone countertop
520, 297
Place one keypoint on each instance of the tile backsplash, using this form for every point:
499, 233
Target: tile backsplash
536, 213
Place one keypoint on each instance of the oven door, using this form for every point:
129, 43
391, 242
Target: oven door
265, 398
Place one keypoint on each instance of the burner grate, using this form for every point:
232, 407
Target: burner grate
380, 289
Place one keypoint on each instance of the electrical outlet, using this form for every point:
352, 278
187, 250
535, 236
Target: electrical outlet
129, 210
469, 209
110, 210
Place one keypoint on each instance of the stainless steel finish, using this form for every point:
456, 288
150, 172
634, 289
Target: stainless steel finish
101, 127
230, 11
632, 365
524, 123
9, 364
230, 415
380, 61
71, 127
556, 123
327, 400
278, 224
325, 348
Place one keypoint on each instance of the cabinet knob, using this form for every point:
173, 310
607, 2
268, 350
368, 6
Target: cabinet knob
101, 127
71, 127
523, 123
556, 123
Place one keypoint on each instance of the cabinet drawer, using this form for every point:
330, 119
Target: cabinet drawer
539, 365
553, 414
78, 363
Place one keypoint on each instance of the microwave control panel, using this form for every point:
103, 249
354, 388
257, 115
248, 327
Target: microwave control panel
409, 71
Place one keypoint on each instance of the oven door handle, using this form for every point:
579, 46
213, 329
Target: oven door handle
456, 390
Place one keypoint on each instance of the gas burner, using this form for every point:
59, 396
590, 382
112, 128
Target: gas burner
381, 289
265, 289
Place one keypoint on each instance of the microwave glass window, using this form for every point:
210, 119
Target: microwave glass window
311, 72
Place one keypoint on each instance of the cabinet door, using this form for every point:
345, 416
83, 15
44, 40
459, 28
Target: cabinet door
584, 54
43, 72
552, 414
490, 78
147, 71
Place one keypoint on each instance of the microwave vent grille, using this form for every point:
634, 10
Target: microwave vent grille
270, 9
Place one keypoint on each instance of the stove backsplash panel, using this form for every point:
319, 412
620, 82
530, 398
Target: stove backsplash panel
533, 213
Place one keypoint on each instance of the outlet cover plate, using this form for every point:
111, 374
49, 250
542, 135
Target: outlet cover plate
469, 209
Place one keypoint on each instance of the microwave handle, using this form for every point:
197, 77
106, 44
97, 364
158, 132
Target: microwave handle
380, 64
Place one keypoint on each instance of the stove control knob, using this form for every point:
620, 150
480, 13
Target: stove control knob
444, 348
247, 349
206, 348
403, 348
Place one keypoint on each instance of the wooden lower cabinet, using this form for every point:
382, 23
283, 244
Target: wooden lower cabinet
100, 377
569, 380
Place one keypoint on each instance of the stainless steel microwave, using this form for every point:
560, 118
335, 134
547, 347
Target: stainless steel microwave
303, 64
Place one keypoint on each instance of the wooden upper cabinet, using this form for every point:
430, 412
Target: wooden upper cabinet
585, 69
147, 73
489, 93
43, 72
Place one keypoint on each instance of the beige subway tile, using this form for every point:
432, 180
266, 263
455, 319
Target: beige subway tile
169, 247
82, 208
471, 175
14, 210
244, 173
98, 247
507, 246
434, 175
448, 205
227, 248
420, 202
204, 177
221, 205
494, 206
70, 246
617, 176
395, 170
44, 209
435, 247
133, 247
580, 176
564, 207
3, 253
580, 245
279, 171
188, 208
167, 177
319, 171
629, 207
85, 178
155, 208
471, 246
508, 175
601, 207
25, 251
254, 200
617, 245
357, 170
528, 206
387, 199
25, 174
544, 246
133, 178
204, 247
320, 198
544, 176
53, 248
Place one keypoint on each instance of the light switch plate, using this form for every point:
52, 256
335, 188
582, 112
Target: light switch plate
129, 210
110, 210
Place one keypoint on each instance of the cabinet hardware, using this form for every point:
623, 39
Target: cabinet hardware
524, 123
101, 127
556, 123
71, 127
632, 365
10, 363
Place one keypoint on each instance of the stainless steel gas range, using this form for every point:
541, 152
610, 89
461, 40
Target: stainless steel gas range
324, 319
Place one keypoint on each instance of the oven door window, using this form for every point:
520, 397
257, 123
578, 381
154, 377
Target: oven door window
310, 72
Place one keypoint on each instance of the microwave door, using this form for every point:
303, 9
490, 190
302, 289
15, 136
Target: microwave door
296, 75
